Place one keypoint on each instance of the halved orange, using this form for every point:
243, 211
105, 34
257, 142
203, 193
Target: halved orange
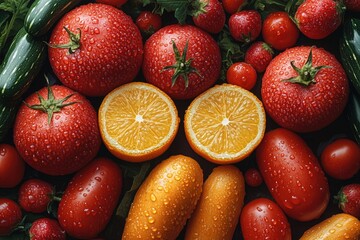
138, 121
225, 124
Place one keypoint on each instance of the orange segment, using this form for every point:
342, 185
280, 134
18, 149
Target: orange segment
138, 121
225, 124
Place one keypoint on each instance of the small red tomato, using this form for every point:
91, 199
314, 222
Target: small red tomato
148, 22
263, 219
245, 26
341, 159
35, 195
10, 216
293, 174
279, 31
259, 55
12, 166
90, 199
242, 74
233, 6
253, 177
349, 199
211, 17
46, 228
115, 3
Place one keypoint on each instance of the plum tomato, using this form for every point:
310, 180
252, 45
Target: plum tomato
12, 166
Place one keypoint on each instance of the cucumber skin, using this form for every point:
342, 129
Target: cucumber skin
43, 14
22, 62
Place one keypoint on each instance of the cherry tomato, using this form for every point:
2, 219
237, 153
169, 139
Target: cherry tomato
115, 3
263, 219
253, 177
148, 22
341, 159
242, 74
279, 31
233, 6
10, 216
12, 166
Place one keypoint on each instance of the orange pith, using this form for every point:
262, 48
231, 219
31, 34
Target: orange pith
225, 124
138, 121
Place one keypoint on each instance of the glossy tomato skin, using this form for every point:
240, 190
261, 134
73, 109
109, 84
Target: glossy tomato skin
253, 177
68, 143
35, 195
202, 49
259, 55
90, 199
293, 174
262, 218
233, 6
245, 26
213, 19
304, 108
115, 3
10, 215
12, 166
340, 159
242, 74
110, 52
46, 228
148, 22
279, 31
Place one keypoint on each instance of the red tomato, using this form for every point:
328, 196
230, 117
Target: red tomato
115, 3
35, 195
90, 199
60, 144
299, 94
148, 22
293, 174
46, 228
279, 31
10, 216
245, 26
181, 73
341, 159
259, 55
106, 49
263, 219
233, 6
211, 17
242, 74
12, 166
253, 177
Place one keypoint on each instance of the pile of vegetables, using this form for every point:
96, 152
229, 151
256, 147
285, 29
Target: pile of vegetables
59, 58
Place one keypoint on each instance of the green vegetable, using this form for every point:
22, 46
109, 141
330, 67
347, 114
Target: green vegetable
353, 114
22, 63
44, 13
350, 51
12, 14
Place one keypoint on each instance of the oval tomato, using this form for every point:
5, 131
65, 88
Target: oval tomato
12, 166
304, 88
262, 218
181, 60
279, 31
90, 199
242, 74
341, 159
10, 216
105, 51
59, 134
293, 174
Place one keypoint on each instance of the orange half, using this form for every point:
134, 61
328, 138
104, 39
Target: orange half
138, 121
225, 124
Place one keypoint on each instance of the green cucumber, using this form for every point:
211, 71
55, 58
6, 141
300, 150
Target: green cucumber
23, 61
353, 114
8, 110
44, 13
349, 46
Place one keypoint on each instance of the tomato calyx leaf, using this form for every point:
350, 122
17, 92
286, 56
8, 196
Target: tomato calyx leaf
50, 105
306, 74
73, 44
341, 199
198, 8
182, 66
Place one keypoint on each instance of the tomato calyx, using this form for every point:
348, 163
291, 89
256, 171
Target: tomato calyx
50, 105
341, 199
182, 66
74, 42
198, 8
306, 74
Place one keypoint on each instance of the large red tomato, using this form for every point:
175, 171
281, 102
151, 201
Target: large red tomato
304, 92
293, 174
90, 199
54, 136
103, 50
181, 60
